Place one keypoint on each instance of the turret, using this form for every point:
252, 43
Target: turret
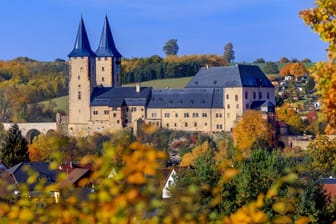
81, 79
108, 59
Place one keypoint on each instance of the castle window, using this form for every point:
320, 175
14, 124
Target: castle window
227, 96
175, 125
195, 114
186, 114
246, 95
236, 97
195, 124
153, 114
78, 77
95, 112
186, 124
79, 86
103, 68
106, 112
205, 124
81, 69
79, 96
167, 115
237, 106
114, 115
204, 114
176, 114
118, 121
103, 79
167, 125
228, 106
260, 95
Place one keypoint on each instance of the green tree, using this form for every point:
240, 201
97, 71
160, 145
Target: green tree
259, 60
284, 60
171, 47
228, 53
271, 68
14, 147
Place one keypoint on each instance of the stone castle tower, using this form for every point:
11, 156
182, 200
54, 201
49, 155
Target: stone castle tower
87, 70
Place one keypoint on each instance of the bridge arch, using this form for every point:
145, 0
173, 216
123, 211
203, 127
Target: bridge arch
31, 134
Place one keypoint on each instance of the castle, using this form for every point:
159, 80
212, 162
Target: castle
211, 102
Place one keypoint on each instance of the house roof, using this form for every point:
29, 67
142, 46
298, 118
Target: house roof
230, 76
82, 45
73, 177
106, 46
117, 96
21, 173
185, 98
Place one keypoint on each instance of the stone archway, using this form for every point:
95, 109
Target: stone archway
31, 134
50, 132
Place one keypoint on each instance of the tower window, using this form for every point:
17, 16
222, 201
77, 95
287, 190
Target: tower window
103, 68
227, 96
103, 79
79, 95
78, 77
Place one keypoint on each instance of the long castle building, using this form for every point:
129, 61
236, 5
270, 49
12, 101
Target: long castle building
211, 102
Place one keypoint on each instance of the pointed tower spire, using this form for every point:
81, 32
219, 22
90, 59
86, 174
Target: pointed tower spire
82, 45
106, 46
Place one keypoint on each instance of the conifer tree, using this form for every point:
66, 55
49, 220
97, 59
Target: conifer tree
14, 147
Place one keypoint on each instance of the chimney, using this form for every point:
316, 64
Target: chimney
137, 87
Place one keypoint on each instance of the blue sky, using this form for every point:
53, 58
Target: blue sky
45, 29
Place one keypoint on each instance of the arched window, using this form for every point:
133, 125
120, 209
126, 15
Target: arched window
236, 97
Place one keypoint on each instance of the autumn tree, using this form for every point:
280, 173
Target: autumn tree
285, 70
171, 47
322, 19
298, 69
14, 148
251, 129
229, 54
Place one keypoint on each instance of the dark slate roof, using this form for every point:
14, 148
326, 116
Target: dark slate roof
82, 45
21, 173
182, 98
230, 76
115, 97
257, 104
329, 180
106, 46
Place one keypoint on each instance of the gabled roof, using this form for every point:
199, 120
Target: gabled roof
182, 98
230, 76
118, 96
82, 45
75, 175
20, 172
106, 46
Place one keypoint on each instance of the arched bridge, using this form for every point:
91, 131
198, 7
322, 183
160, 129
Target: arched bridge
30, 130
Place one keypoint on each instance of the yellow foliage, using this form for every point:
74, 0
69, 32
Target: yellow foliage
251, 128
